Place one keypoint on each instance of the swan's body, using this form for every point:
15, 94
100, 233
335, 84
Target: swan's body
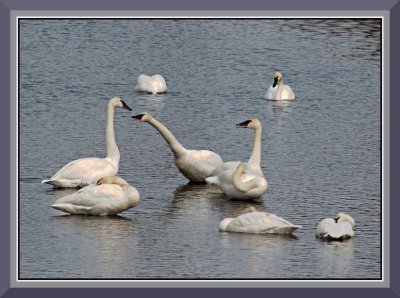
243, 180
110, 196
154, 84
279, 91
338, 228
195, 165
85, 171
257, 222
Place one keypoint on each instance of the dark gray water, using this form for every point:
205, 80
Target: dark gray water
320, 152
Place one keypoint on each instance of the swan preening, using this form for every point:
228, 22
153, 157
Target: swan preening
81, 172
278, 91
195, 165
243, 180
110, 196
338, 228
257, 222
154, 84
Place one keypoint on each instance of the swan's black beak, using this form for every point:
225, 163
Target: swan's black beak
138, 117
275, 82
244, 124
125, 106
336, 219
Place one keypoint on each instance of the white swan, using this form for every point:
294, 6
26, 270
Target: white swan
243, 180
257, 222
195, 165
81, 172
338, 228
110, 196
280, 92
155, 84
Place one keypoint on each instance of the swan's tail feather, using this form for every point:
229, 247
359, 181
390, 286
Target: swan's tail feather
212, 180
72, 209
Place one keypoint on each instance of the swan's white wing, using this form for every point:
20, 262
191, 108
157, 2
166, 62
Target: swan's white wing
142, 83
271, 92
94, 199
261, 222
287, 92
88, 170
329, 229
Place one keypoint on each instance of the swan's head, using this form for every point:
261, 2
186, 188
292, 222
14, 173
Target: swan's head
112, 180
344, 217
143, 117
118, 102
251, 123
241, 168
277, 78
251, 209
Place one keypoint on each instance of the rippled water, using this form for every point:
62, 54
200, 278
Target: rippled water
320, 153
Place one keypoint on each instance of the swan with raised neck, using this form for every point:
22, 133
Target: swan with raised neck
84, 171
195, 165
109, 196
279, 91
243, 180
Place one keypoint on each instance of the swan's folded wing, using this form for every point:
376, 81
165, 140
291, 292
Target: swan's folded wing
89, 169
92, 195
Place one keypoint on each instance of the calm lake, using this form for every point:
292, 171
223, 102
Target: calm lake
321, 153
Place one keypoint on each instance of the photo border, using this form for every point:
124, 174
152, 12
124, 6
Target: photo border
7, 8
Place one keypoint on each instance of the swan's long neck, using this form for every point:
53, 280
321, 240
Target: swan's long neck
173, 143
240, 185
278, 94
255, 158
112, 149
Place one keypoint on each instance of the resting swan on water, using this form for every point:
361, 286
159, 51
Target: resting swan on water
110, 196
195, 165
257, 222
81, 172
338, 228
280, 92
243, 180
155, 84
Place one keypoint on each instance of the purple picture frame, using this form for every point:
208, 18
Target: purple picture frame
6, 8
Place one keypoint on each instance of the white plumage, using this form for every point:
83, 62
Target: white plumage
337, 228
154, 84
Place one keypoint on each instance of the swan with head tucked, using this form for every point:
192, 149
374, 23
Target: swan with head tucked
195, 165
338, 228
154, 84
81, 172
243, 180
257, 222
110, 196
278, 91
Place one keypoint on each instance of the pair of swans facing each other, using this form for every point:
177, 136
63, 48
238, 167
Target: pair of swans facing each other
109, 196
279, 91
151, 84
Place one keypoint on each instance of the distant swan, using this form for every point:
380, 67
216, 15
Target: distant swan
155, 84
280, 92
243, 180
195, 165
110, 196
338, 228
81, 172
257, 222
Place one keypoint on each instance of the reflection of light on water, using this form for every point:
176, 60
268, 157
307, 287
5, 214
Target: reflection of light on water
335, 257
105, 240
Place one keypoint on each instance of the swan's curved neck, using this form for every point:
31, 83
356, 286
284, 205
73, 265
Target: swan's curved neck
240, 185
112, 149
173, 143
278, 94
255, 158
